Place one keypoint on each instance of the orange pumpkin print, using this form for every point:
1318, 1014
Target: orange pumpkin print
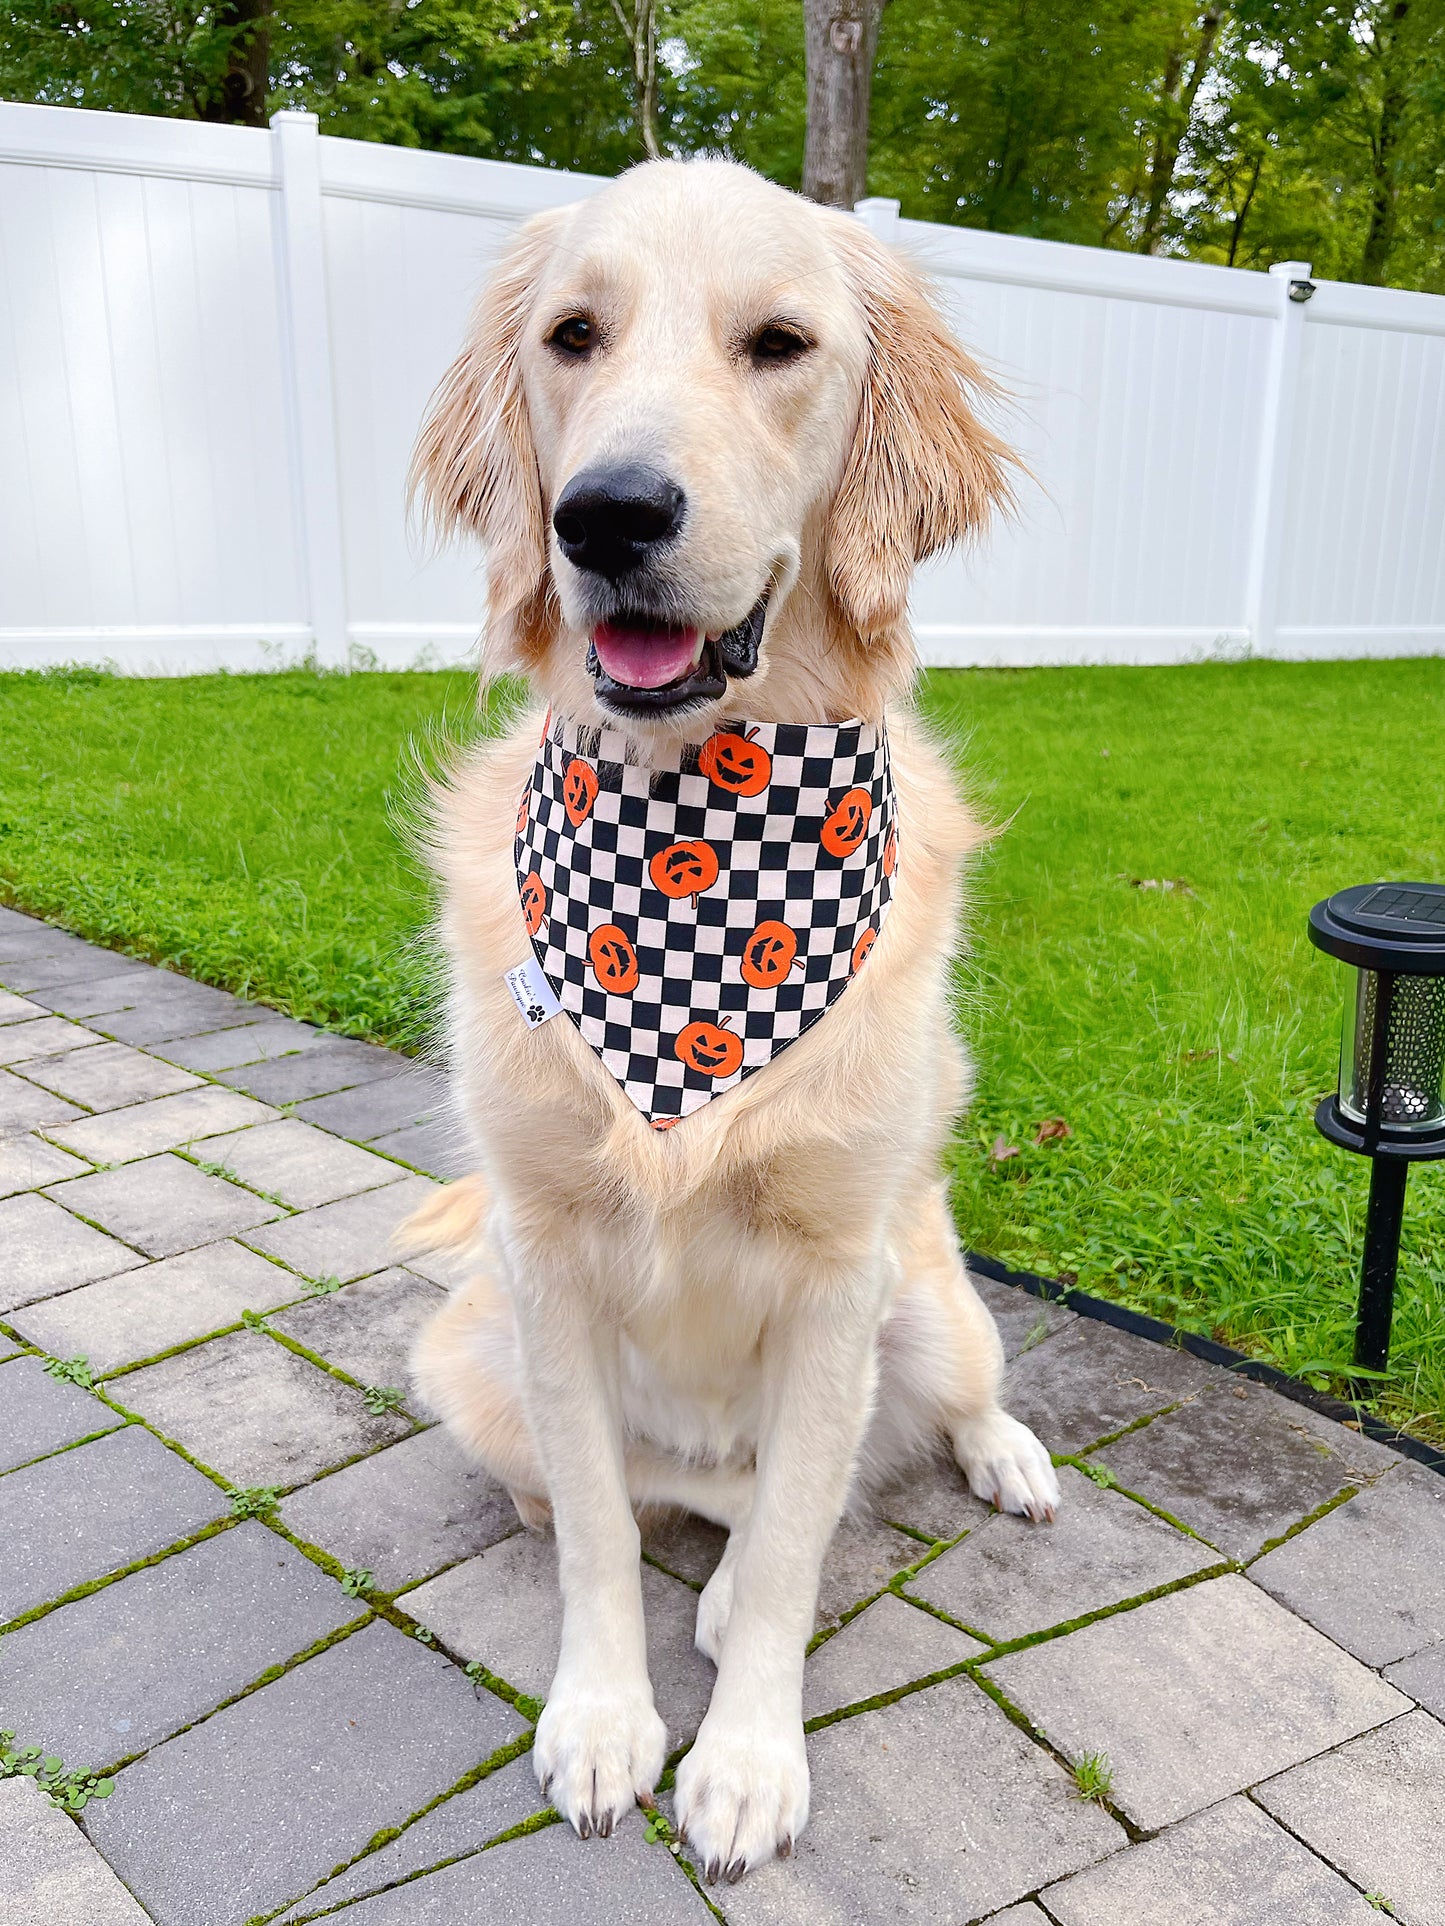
579, 791
666, 1123
613, 959
847, 823
534, 902
890, 853
711, 1048
733, 761
523, 808
769, 953
684, 869
861, 948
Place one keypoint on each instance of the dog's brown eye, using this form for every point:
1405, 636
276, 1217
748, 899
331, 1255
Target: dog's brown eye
576, 335
778, 342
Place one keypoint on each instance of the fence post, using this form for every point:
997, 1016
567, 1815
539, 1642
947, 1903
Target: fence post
1293, 288
880, 217
307, 337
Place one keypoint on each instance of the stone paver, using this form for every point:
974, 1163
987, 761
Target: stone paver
405, 1512
1423, 1677
48, 1871
1091, 1380
298, 1163
935, 1808
544, 1879
348, 1239
339, 1063
1230, 1866
254, 1411
277, 1789
261, 1042
47, 1250
43, 1036
25, 1106
163, 1205
39, 1414
1241, 1465
888, 1645
102, 1506
1022, 1319
1376, 1810
435, 1147
165, 1123
367, 1328
503, 1607
1371, 1573
459, 1825
1194, 1696
117, 1671
374, 1111
121, 1320
27, 1162
106, 1075
1009, 1578
18, 1009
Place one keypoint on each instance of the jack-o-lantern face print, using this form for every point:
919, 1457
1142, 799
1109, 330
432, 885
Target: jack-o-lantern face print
847, 823
579, 791
735, 763
684, 869
769, 953
861, 948
890, 853
666, 1123
613, 959
534, 902
711, 1048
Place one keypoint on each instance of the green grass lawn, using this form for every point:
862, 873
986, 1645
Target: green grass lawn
247, 830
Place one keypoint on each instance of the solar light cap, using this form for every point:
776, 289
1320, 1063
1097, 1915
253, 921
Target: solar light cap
1398, 927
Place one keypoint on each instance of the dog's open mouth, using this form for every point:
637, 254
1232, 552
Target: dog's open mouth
642, 667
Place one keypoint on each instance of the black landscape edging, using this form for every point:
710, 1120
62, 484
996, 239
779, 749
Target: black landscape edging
1137, 1324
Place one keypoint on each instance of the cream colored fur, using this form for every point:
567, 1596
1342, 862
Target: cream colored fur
744, 1314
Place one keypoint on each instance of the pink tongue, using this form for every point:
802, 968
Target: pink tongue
645, 658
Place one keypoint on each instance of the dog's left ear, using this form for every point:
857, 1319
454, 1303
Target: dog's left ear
474, 465
923, 471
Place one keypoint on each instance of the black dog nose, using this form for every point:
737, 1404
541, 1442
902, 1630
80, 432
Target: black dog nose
607, 519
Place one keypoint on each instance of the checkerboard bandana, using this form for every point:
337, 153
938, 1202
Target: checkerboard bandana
695, 915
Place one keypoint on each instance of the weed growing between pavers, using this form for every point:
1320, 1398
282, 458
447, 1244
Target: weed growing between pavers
71, 1371
72, 1791
1093, 1777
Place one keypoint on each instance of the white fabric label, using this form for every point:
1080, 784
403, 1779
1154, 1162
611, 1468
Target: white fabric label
532, 993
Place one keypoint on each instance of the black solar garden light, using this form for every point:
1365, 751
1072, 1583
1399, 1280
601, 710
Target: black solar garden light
1390, 1105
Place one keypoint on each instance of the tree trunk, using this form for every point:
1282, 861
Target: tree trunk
1179, 100
842, 39
1236, 232
1384, 139
241, 95
641, 31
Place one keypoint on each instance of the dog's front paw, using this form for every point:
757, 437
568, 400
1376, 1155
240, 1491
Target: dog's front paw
1007, 1466
742, 1796
597, 1753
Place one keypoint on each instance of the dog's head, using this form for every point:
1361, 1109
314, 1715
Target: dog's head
704, 430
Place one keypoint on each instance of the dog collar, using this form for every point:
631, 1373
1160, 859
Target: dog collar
693, 915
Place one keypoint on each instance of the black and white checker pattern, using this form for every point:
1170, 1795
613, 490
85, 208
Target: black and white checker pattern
773, 866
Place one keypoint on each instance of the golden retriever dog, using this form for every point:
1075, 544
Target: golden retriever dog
704, 430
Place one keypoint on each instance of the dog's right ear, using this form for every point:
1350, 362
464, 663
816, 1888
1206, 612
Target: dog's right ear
474, 466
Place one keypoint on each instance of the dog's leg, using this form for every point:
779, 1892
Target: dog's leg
742, 1791
600, 1744
947, 1360
721, 1493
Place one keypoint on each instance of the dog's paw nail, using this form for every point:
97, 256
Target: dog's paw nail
604, 1826
584, 1825
735, 1871
710, 1872
785, 1850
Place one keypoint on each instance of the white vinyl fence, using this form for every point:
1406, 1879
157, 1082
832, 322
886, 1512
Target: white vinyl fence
216, 344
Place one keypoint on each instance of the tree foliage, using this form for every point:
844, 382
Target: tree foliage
1242, 131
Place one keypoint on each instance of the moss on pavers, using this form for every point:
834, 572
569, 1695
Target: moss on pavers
282, 1786
368, 1327
93, 1510
348, 1239
1193, 1696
